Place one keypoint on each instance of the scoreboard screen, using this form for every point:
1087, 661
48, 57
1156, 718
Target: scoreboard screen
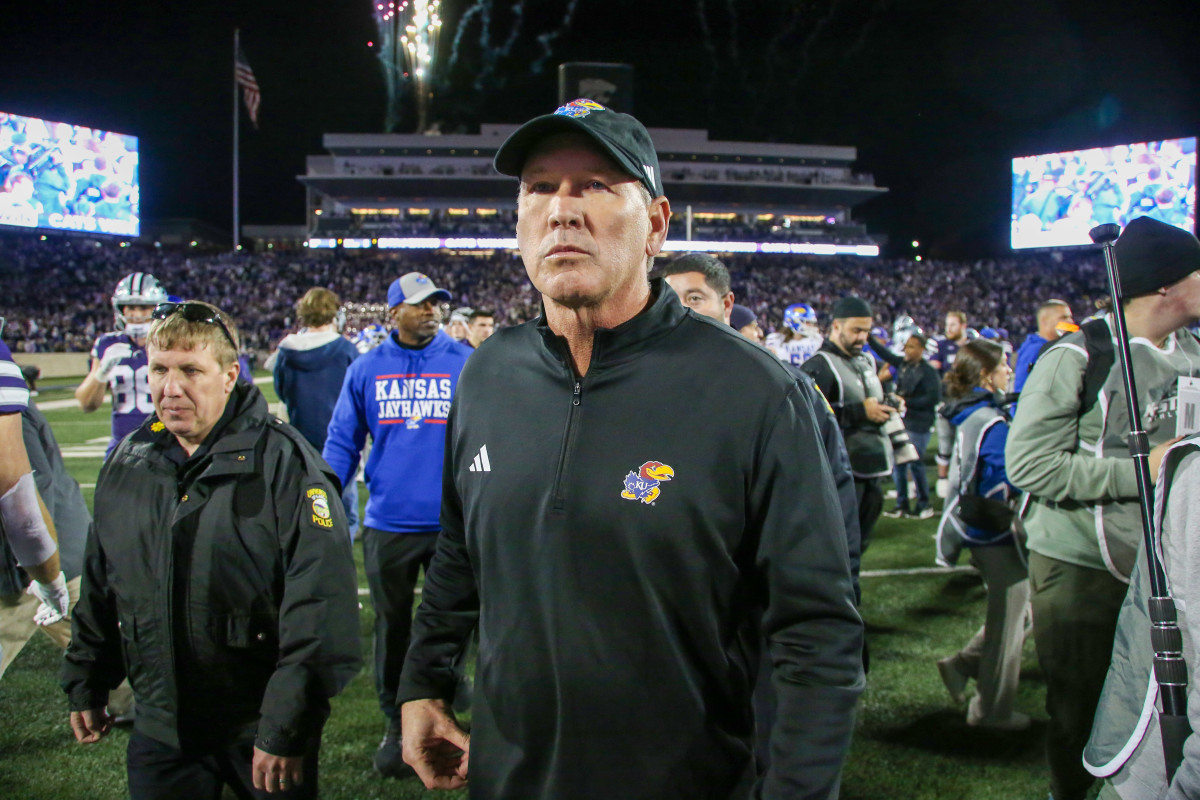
64, 177
1057, 198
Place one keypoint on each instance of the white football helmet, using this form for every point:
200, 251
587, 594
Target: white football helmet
136, 289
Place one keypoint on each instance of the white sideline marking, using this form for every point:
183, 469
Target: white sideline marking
871, 573
54, 405
888, 573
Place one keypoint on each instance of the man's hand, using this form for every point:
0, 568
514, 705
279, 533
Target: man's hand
1156, 457
54, 596
90, 726
434, 746
877, 412
113, 355
276, 773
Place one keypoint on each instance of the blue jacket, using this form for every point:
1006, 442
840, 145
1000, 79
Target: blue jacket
401, 396
991, 470
1025, 357
309, 381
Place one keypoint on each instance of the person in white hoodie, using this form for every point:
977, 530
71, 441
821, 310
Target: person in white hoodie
309, 367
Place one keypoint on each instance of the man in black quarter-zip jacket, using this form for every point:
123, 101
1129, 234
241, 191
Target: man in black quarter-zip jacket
633, 498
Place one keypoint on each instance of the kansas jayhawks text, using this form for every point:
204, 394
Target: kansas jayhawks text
405, 397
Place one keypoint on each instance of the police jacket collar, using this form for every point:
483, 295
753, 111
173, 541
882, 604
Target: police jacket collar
631, 338
236, 435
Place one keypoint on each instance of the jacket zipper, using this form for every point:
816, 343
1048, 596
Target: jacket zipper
560, 498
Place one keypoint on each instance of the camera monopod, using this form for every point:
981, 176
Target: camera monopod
1169, 668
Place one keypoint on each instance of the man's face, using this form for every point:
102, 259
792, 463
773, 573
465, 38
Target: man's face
583, 225
1186, 294
1057, 314
851, 333
913, 350
954, 326
189, 389
696, 294
137, 315
479, 329
417, 323
752, 332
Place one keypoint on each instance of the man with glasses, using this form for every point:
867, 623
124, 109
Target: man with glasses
400, 394
218, 575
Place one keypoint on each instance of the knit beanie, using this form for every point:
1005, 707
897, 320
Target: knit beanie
1153, 254
851, 306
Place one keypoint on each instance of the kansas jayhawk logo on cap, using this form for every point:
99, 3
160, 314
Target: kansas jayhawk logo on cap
643, 484
579, 108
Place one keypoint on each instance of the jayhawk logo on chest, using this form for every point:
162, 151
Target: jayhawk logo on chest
644, 484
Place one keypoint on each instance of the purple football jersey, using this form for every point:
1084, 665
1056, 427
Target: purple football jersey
130, 387
14, 394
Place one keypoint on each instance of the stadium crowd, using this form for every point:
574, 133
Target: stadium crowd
55, 293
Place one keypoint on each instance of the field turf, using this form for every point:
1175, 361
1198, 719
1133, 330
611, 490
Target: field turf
911, 741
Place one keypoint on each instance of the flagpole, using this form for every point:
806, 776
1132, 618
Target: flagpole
236, 34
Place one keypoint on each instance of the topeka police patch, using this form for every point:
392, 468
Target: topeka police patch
644, 484
320, 507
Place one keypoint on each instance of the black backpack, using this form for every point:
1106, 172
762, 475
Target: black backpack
1097, 340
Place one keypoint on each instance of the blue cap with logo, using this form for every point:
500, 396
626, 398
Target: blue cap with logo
414, 288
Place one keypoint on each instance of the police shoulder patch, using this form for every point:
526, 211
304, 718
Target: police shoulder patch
319, 500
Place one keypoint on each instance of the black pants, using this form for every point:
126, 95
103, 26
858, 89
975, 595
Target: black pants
870, 505
393, 562
1075, 613
158, 771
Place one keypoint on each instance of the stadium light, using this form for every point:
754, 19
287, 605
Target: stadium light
916, 243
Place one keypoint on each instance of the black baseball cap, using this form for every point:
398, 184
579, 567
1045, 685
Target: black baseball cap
622, 137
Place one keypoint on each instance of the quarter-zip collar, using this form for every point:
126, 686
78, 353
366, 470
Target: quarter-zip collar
628, 340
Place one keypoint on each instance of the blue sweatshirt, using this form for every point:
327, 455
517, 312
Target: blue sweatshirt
308, 379
1025, 355
401, 396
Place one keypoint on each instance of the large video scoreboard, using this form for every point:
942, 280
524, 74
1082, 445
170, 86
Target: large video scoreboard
64, 177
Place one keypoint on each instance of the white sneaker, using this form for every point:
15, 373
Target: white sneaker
955, 681
925, 513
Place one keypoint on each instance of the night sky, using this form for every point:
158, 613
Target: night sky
937, 96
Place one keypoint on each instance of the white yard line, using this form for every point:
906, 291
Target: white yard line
55, 405
888, 573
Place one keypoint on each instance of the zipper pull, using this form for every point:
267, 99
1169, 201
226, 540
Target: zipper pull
577, 394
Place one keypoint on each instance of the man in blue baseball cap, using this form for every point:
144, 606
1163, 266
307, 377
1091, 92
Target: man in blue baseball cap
634, 501
400, 394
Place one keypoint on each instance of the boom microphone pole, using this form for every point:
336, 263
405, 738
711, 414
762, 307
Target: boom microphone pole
1169, 668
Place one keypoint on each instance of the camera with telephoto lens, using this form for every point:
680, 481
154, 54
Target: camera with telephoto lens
902, 446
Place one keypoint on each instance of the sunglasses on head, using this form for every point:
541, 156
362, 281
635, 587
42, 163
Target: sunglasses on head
194, 312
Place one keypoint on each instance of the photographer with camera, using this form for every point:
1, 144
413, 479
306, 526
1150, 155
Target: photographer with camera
848, 378
979, 516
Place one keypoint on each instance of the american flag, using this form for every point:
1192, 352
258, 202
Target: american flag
244, 76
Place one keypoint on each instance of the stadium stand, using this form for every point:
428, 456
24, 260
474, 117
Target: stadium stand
55, 293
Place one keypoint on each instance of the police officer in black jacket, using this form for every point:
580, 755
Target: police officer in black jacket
634, 499
218, 575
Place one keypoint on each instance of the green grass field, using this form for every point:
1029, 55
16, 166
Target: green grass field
911, 741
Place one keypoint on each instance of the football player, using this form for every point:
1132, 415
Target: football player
119, 357
800, 338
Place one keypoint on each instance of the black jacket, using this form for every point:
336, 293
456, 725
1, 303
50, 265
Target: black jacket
921, 387
618, 542
224, 588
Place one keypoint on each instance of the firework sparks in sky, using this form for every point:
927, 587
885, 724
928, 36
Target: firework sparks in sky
407, 48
